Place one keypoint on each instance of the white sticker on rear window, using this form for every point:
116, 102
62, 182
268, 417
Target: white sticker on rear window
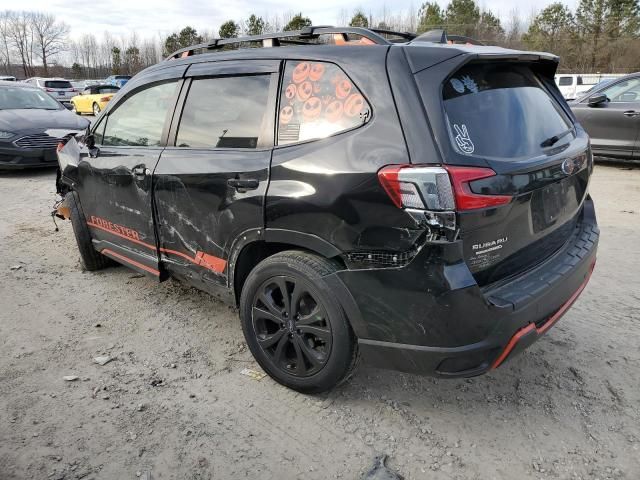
457, 85
470, 83
462, 138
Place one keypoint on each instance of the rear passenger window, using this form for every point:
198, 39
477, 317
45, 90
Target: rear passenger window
139, 120
318, 100
224, 112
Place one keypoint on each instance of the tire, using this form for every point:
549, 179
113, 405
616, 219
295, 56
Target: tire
90, 258
74, 109
305, 344
96, 109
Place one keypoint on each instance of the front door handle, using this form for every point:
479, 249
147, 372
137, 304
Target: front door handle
140, 171
243, 184
631, 113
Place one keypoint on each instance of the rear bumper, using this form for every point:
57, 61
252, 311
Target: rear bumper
12, 158
432, 318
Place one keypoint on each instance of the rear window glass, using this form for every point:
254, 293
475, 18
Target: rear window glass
500, 111
57, 84
106, 89
318, 100
123, 77
565, 81
224, 112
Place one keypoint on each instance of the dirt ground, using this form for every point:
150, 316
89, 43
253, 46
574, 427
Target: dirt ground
174, 405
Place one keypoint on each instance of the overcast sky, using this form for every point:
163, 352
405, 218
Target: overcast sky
150, 17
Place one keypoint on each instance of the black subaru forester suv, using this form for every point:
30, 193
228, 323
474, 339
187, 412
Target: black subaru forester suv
421, 205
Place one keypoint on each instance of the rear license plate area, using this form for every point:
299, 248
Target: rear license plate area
547, 205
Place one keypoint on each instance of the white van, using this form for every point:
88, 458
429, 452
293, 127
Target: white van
571, 85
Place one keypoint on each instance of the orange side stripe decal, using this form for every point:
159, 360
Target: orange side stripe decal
111, 253
202, 259
139, 242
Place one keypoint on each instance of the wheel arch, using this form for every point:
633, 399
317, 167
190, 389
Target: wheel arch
254, 246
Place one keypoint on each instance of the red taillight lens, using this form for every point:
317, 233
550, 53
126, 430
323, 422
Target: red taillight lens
465, 198
437, 188
49, 89
388, 177
105, 99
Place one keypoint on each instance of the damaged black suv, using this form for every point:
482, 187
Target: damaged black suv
420, 204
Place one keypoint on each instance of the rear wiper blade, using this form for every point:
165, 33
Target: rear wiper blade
549, 142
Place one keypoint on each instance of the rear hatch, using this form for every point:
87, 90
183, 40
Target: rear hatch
525, 164
59, 89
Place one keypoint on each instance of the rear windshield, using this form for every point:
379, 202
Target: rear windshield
122, 77
105, 89
500, 111
564, 81
57, 84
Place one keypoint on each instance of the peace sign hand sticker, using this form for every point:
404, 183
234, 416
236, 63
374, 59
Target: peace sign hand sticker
462, 139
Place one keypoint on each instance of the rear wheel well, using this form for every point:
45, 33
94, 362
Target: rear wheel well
254, 253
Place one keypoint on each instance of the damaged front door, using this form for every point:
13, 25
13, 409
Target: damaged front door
115, 180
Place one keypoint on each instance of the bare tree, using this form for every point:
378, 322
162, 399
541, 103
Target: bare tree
21, 37
50, 37
5, 42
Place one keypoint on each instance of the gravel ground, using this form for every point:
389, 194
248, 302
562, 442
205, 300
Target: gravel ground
173, 403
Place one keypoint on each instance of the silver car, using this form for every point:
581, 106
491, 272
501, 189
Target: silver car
58, 88
610, 113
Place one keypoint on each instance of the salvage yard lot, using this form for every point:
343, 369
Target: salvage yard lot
173, 402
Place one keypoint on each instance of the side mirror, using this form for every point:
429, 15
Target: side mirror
597, 100
90, 141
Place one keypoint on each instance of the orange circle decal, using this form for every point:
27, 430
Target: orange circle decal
305, 89
286, 114
312, 108
333, 111
301, 72
290, 91
354, 105
316, 72
343, 88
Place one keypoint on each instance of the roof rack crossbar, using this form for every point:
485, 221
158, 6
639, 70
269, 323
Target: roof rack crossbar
384, 31
272, 39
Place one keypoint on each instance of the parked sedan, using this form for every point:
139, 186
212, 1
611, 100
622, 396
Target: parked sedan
118, 80
93, 99
610, 113
31, 126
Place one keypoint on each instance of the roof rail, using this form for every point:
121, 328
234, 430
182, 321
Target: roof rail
384, 31
292, 37
440, 36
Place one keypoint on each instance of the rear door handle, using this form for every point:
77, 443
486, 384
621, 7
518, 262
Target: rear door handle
239, 184
631, 113
140, 171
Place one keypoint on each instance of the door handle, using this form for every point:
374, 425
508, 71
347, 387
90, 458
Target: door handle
631, 113
140, 171
238, 184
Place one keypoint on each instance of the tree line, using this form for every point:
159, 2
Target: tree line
598, 35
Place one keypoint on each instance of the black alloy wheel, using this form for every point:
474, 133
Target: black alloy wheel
291, 326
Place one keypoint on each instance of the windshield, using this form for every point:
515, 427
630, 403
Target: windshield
123, 77
501, 110
57, 84
19, 97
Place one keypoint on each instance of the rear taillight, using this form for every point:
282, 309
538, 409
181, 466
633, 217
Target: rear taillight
105, 99
49, 89
423, 188
437, 188
466, 199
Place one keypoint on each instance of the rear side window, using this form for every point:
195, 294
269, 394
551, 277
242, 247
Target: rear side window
57, 84
500, 111
566, 81
224, 112
139, 119
318, 100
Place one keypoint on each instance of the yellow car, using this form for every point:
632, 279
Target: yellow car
93, 99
